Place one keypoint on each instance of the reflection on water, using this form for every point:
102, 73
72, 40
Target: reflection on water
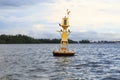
35, 62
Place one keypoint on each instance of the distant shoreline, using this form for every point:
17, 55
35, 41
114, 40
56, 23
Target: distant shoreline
24, 39
59, 43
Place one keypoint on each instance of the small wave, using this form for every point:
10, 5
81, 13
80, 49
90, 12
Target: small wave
11, 77
110, 78
36, 70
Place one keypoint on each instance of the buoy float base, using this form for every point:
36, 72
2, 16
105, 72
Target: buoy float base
63, 53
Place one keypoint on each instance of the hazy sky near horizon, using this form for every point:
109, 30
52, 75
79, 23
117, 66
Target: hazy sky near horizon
89, 19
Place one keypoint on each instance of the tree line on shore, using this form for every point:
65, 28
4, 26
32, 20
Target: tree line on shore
24, 39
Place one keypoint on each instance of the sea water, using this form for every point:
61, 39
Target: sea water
36, 62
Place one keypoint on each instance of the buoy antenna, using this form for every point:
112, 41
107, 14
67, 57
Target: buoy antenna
68, 12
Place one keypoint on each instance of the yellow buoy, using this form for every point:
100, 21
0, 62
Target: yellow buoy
63, 49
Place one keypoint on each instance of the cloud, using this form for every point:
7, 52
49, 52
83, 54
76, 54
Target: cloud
89, 19
88, 13
18, 3
38, 26
95, 36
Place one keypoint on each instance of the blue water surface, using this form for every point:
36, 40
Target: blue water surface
36, 62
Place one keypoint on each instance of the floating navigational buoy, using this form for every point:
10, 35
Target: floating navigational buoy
63, 48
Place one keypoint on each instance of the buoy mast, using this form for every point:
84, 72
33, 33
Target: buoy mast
64, 33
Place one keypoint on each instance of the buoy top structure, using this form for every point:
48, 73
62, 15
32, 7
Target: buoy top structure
63, 48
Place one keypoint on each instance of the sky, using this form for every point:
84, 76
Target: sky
89, 19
